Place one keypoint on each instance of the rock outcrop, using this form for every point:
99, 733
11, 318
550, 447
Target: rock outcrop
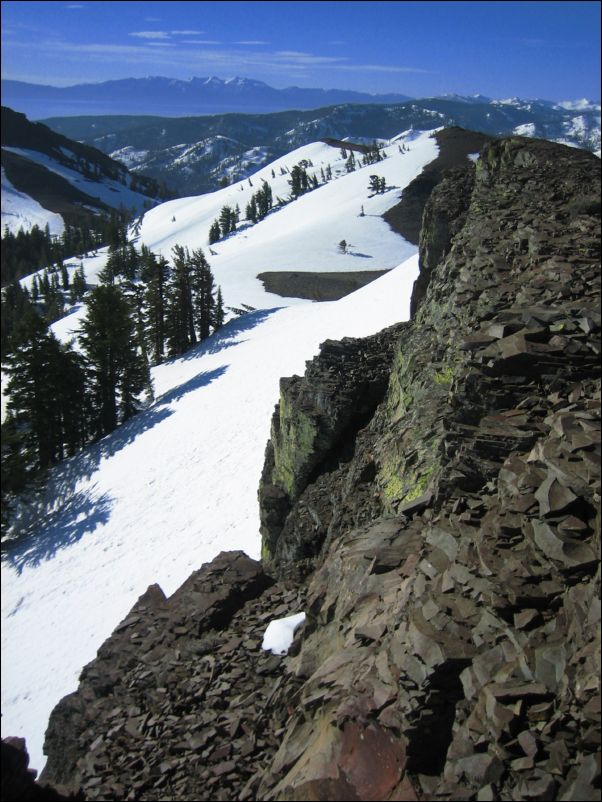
431, 499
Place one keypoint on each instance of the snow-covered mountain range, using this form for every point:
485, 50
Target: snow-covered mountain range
48, 178
171, 97
163, 494
192, 154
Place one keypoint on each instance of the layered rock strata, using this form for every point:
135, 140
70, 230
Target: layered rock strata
431, 499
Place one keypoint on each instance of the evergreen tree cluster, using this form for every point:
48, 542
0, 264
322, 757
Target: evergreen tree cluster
350, 164
377, 185
27, 251
300, 181
373, 155
260, 204
225, 224
60, 399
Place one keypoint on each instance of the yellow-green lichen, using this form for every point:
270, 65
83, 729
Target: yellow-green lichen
293, 446
405, 487
444, 376
419, 487
265, 552
393, 488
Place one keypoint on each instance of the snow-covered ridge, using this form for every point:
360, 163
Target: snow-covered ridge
303, 235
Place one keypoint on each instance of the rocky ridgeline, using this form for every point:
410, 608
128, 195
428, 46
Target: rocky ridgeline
431, 499
451, 649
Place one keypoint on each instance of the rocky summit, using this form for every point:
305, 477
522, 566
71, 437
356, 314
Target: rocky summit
431, 500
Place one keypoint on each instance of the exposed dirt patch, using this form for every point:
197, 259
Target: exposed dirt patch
317, 286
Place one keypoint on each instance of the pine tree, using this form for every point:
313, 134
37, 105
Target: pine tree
155, 274
263, 200
179, 330
227, 221
78, 285
218, 317
214, 233
299, 181
18, 464
47, 395
64, 276
251, 211
45, 284
203, 300
117, 369
328, 172
350, 163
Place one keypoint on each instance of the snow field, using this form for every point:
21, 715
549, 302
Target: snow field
303, 235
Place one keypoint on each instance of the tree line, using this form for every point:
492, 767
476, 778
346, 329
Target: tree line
61, 398
27, 251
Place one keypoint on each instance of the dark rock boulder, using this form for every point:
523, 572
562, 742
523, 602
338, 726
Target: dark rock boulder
18, 780
313, 429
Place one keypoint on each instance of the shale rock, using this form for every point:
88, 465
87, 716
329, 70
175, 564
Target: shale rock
174, 705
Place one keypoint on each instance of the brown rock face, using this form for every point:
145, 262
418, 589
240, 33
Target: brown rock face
431, 499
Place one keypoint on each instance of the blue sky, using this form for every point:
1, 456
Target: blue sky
531, 49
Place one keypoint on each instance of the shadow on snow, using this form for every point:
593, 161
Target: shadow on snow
227, 336
77, 516
198, 381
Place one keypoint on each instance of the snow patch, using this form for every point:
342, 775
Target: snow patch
280, 633
526, 129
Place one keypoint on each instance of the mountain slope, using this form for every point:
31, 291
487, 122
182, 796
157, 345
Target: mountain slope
41, 168
155, 146
302, 236
451, 645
